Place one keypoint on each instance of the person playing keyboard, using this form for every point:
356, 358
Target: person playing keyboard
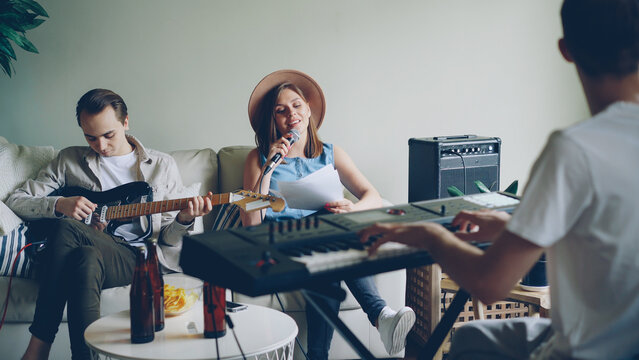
579, 207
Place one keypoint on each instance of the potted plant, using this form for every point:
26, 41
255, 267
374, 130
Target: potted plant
16, 17
511, 189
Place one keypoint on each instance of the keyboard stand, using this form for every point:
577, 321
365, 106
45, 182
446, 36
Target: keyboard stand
335, 292
445, 324
427, 352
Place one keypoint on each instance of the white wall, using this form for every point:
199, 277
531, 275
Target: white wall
390, 70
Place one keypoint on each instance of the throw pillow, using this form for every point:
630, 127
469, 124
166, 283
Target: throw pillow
228, 217
8, 219
17, 164
11, 244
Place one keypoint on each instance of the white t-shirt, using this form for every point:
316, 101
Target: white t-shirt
116, 171
581, 203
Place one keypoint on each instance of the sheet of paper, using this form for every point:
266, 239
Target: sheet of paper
313, 191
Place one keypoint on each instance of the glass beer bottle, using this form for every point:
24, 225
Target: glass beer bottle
214, 310
141, 302
157, 283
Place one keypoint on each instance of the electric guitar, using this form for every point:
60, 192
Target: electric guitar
123, 203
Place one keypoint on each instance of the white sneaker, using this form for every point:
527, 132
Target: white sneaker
394, 326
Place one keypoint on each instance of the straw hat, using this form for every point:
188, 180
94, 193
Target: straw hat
309, 87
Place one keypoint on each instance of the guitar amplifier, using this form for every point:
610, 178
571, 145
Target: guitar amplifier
436, 163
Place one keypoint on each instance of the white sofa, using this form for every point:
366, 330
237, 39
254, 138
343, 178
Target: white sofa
218, 172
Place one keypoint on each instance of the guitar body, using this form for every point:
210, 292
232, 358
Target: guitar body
131, 193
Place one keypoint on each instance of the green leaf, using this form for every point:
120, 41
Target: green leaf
6, 48
8, 32
454, 191
481, 187
26, 44
5, 62
34, 24
31, 5
13, 21
18, 38
512, 188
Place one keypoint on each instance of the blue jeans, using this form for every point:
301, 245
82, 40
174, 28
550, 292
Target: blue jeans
320, 332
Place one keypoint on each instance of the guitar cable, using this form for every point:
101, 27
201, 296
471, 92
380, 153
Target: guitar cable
11, 274
463, 165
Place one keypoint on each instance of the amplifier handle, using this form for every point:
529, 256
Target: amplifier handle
454, 137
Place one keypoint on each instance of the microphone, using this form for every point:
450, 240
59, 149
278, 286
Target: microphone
293, 136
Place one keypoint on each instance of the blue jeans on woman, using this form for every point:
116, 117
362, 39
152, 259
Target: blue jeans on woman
320, 332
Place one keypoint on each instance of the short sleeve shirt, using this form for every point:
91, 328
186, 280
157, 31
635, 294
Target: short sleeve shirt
581, 203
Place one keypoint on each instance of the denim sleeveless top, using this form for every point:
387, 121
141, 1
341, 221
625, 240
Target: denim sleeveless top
295, 169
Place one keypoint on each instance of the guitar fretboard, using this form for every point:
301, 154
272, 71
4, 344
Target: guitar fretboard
142, 209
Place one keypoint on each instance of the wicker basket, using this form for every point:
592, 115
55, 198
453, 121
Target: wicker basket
428, 302
419, 296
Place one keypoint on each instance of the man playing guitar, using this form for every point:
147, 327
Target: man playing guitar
82, 260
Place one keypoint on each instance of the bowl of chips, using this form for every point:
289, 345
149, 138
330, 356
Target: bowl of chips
180, 293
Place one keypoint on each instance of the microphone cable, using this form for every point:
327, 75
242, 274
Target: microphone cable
297, 341
230, 324
259, 190
212, 308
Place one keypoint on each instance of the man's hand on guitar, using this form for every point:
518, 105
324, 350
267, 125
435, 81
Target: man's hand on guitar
97, 224
198, 206
77, 207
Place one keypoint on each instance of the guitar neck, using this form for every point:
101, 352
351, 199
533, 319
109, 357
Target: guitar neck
142, 209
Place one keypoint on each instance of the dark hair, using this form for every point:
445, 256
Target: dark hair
267, 132
94, 101
602, 35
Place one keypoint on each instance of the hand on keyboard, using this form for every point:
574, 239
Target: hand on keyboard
482, 225
415, 234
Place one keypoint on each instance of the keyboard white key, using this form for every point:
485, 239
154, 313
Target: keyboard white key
323, 261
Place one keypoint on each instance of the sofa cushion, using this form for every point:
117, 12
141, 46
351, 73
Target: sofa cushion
14, 172
199, 166
231, 164
9, 248
17, 164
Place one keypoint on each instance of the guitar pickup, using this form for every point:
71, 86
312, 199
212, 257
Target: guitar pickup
103, 212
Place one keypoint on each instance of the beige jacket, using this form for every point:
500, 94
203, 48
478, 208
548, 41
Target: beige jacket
80, 166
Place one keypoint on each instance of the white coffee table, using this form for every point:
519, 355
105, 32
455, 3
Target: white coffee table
263, 333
